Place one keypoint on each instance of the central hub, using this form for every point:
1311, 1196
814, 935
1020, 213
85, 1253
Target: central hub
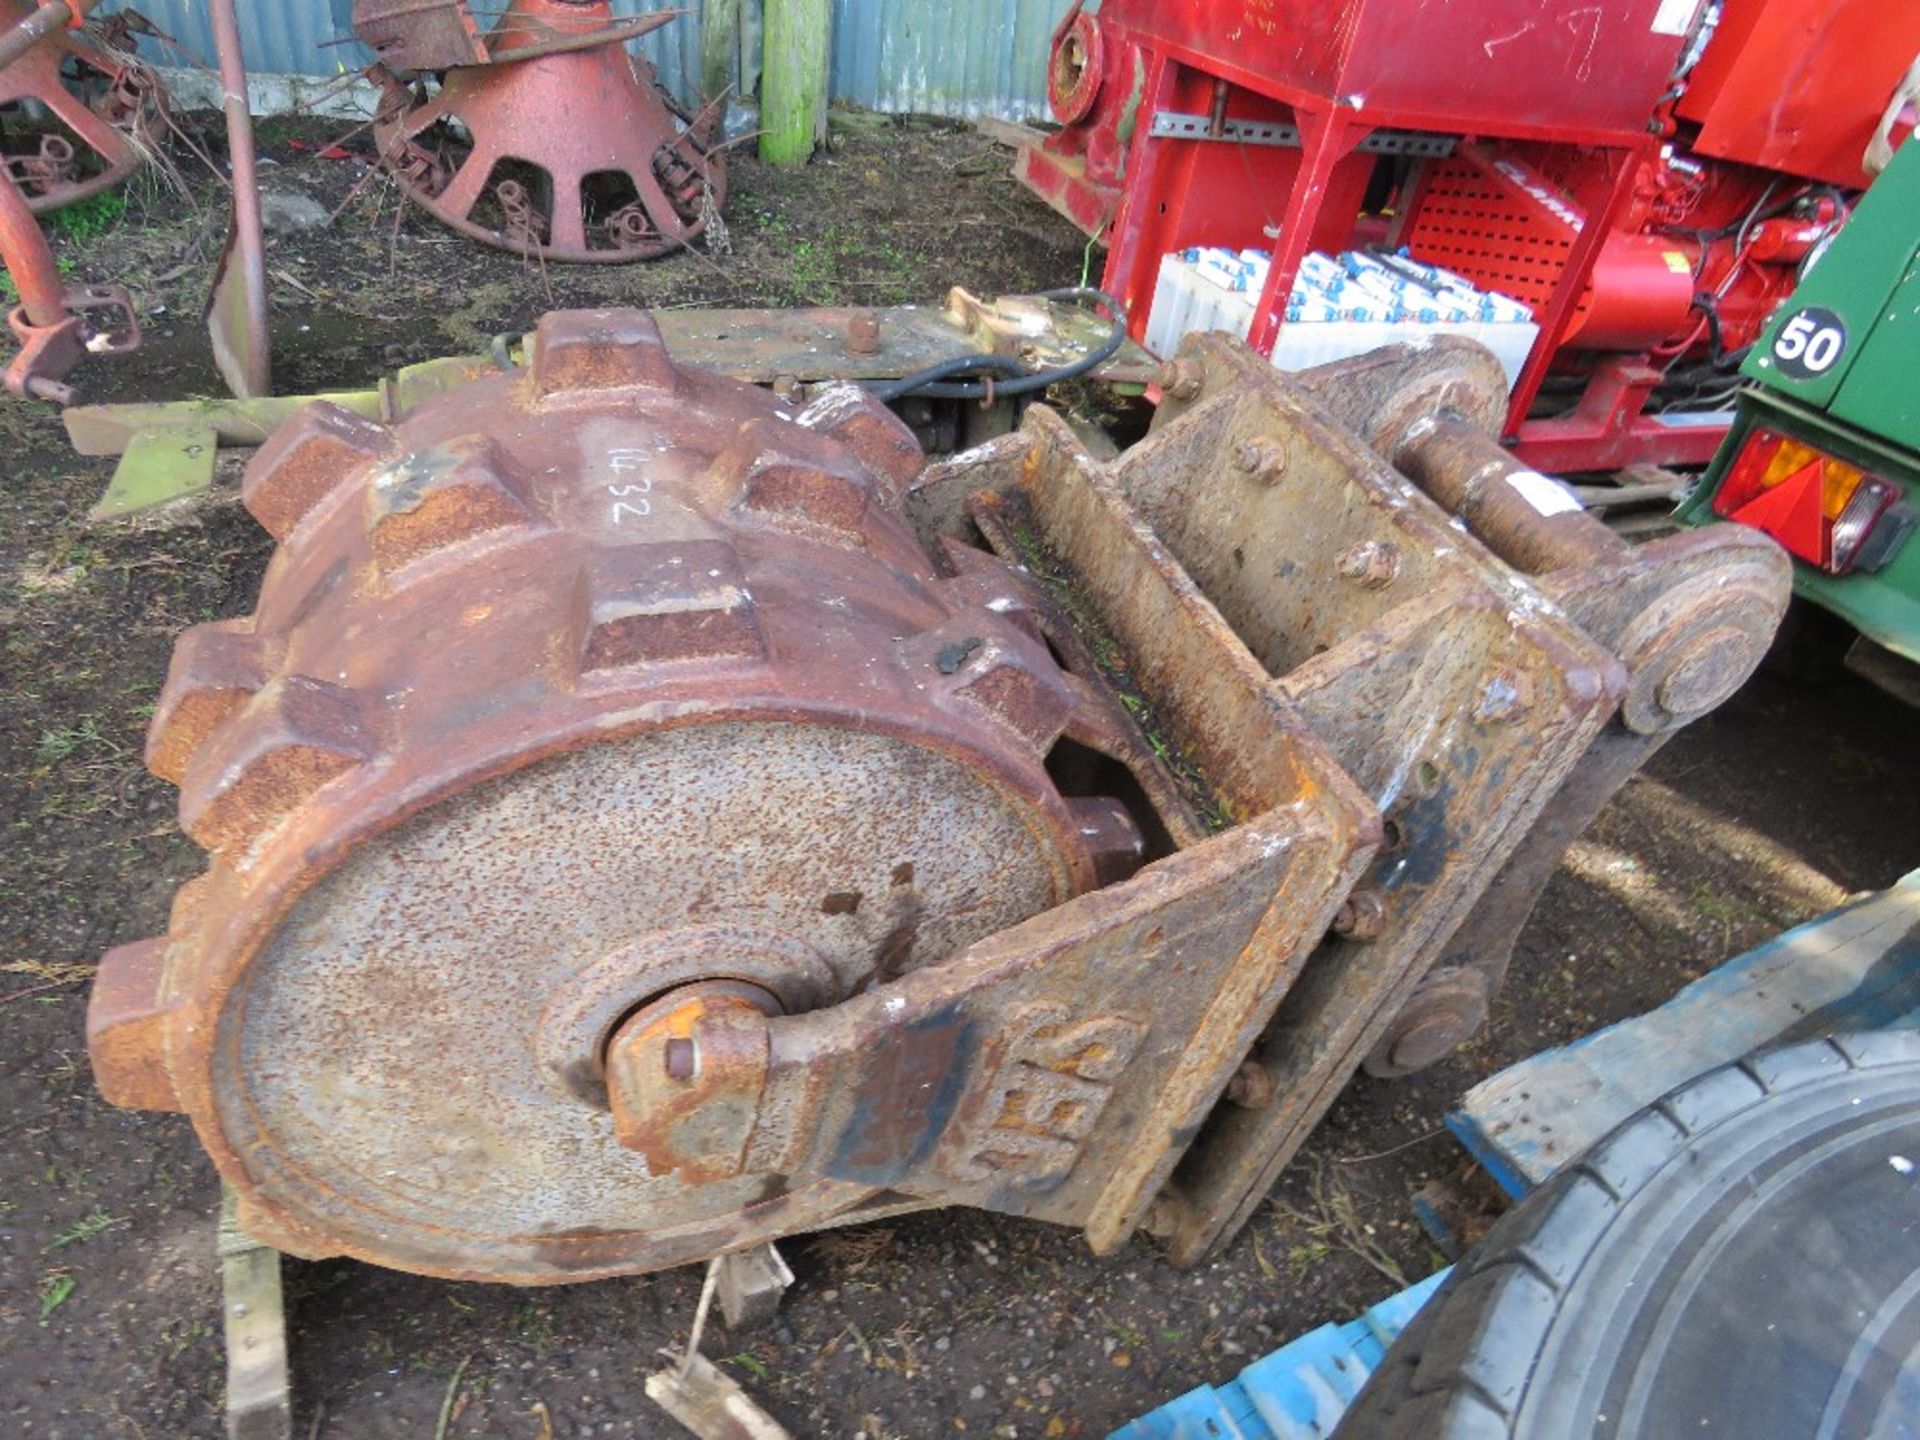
684, 1076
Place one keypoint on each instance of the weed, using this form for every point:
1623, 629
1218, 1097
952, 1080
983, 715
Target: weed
535, 1325
55, 1287
63, 743
1121, 1331
750, 1363
98, 1223
1335, 1223
1301, 1259
191, 1336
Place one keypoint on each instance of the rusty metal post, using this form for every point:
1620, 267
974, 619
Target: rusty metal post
29, 259
239, 316
51, 342
49, 18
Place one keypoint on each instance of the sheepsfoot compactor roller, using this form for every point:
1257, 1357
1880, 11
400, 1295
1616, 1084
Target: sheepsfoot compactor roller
648, 817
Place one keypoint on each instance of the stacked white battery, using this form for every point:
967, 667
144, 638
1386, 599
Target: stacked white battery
1339, 306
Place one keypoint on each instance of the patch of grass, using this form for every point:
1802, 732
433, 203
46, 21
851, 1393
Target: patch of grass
65, 741
91, 218
750, 1363
1727, 909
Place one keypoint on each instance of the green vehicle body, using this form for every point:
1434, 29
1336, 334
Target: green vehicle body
1863, 405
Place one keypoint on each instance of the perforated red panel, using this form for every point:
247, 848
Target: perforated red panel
1495, 223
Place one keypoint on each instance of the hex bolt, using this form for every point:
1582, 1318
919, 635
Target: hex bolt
863, 335
1505, 699
1252, 1086
1264, 458
1372, 564
1182, 379
680, 1059
1362, 916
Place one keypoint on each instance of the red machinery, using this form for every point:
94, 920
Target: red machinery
544, 135
1648, 175
100, 107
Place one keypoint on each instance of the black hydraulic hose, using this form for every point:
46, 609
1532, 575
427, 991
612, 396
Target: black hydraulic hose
938, 382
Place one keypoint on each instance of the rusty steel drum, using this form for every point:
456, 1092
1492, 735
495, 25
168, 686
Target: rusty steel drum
106, 103
579, 687
545, 135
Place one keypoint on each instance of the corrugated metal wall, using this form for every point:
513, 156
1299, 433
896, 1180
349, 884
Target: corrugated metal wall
304, 37
945, 57
963, 58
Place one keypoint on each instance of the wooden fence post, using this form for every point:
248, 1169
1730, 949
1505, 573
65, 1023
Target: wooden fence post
719, 38
793, 80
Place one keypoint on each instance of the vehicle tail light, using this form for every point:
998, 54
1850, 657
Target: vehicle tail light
1820, 508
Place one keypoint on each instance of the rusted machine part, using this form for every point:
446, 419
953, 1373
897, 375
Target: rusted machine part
1077, 64
42, 61
664, 650
551, 140
1690, 616
57, 325
411, 36
29, 260
239, 310
47, 19
645, 821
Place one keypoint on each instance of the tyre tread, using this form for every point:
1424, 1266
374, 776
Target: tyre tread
1433, 1383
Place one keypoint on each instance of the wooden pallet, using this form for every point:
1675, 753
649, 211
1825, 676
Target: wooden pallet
1855, 968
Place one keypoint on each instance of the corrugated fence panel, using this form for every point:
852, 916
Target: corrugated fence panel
945, 57
964, 58
287, 37
291, 37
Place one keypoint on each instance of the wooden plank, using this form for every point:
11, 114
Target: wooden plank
710, 1403
109, 429
1008, 132
258, 1402
793, 81
760, 346
1856, 968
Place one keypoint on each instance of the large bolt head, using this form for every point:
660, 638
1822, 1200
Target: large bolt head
684, 1076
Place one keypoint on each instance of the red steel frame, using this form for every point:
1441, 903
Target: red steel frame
1606, 431
1176, 193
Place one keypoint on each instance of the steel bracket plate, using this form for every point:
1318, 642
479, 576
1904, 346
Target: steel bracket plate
1172, 125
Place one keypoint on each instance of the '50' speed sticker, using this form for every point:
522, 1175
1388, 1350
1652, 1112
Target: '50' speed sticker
1810, 343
